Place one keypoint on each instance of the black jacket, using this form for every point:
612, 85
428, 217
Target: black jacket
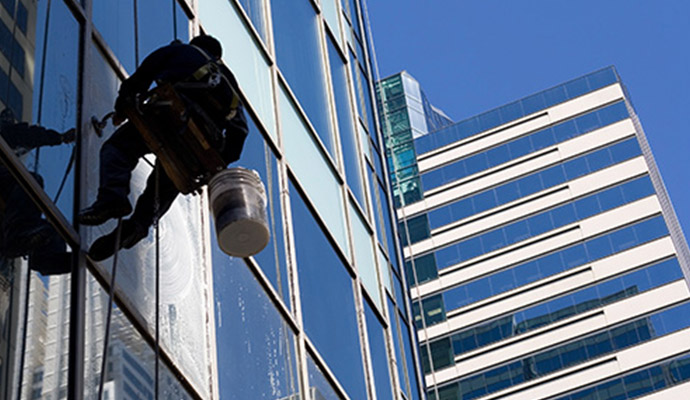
177, 62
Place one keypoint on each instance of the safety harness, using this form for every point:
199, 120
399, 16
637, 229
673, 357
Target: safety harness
211, 78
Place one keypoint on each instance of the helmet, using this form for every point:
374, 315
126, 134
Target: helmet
209, 44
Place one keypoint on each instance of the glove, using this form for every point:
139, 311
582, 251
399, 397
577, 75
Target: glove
68, 136
121, 104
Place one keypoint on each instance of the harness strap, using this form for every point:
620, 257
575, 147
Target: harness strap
212, 69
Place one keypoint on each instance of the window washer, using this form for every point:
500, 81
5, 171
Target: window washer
181, 65
22, 230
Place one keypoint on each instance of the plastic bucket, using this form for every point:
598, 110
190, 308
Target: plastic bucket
238, 202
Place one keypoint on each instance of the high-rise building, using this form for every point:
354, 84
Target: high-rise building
545, 259
321, 313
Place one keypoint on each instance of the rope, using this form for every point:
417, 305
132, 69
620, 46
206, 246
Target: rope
64, 177
156, 205
111, 292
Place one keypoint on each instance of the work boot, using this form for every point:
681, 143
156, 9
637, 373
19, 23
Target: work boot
101, 211
23, 242
104, 247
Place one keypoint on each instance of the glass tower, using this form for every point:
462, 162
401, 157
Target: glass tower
321, 313
544, 256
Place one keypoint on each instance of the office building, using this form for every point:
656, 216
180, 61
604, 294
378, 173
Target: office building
545, 259
321, 313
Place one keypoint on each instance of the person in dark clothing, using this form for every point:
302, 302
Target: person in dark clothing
22, 230
176, 64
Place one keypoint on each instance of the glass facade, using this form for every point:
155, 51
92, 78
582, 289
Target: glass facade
539, 244
518, 109
321, 313
406, 114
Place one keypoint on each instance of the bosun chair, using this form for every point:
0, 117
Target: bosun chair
188, 157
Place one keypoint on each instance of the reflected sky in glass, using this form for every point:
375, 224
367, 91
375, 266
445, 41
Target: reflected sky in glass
379, 356
298, 53
114, 19
55, 102
242, 56
155, 25
313, 171
257, 155
328, 303
319, 388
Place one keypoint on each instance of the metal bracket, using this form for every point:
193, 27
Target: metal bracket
99, 125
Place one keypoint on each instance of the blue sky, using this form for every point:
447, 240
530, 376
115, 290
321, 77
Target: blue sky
471, 56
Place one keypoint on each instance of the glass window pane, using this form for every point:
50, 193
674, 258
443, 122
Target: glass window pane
242, 56
425, 268
393, 323
328, 304
257, 155
54, 104
255, 11
319, 387
410, 360
386, 221
255, 348
114, 19
155, 25
131, 362
348, 135
555, 95
313, 171
577, 87
182, 24
183, 264
330, 13
364, 257
298, 53
385, 271
364, 108
47, 311
379, 356
400, 296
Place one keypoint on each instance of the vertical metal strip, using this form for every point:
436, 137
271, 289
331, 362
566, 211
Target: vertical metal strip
136, 33
174, 17
25, 326
77, 322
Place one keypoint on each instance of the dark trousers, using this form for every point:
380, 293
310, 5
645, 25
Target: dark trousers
119, 156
